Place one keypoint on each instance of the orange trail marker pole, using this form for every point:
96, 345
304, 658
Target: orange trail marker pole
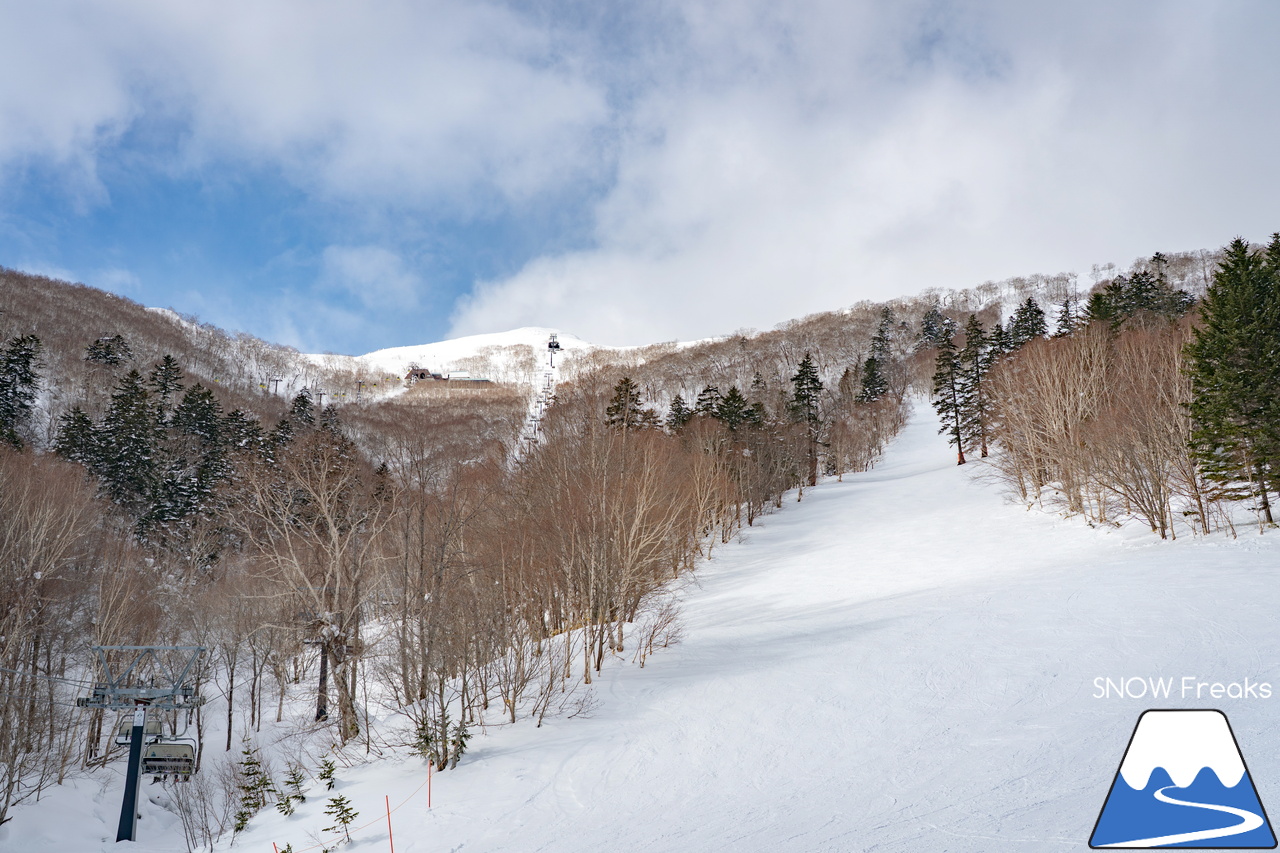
277, 849
429, 764
390, 837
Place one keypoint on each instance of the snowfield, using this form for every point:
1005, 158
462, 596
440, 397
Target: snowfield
903, 661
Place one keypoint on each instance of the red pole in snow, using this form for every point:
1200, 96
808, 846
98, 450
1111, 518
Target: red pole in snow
389, 836
429, 784
274, 847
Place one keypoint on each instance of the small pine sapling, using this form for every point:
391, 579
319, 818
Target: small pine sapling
326, 774
255, 787
339, 808
294, 779
293, 782
458, 743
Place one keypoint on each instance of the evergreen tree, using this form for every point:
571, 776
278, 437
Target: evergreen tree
998, 341
110, 351
975, 361
805, 408
129, 437
679, 414
626, 410
458, 743
1027, 324
1068, 318
18, 385
948, 396
734, 410
302, 411
708, 402
193, 460
874, 384
807, 393
239, 432
1235, 384
166, 381
254, 785
199, 415
1143, 295
933, 328
300, 419
77, 439
339, 808
881, 341
326, 774
293, 781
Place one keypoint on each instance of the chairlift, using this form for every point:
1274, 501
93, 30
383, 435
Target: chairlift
124, 731
171, 757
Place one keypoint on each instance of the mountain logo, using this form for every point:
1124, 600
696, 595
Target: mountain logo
1183, 783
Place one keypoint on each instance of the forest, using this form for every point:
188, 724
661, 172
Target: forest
396, 554
1145, 402
400, 556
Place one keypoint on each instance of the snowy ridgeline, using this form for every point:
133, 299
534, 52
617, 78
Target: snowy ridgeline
903, 662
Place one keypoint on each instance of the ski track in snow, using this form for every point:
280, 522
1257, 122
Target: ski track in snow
902, 662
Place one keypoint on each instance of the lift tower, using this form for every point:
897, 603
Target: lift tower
142, 677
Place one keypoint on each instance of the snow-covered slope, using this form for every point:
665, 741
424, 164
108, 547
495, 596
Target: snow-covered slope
901, 662
443, 355
518, 356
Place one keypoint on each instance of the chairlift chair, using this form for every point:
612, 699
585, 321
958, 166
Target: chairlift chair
124, 731
171, 757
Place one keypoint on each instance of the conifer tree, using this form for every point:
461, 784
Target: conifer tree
975, 362
1141, 295
734, 410
194, 460
1235, 384
874, 384
18, 385
293, 781
1027, 324
998, 341
934, 328
881, 341
948, 396
129, 437
339, 808
254, 785
708, 402
679, 414
326, 774
77, 439
1068, 318
626, 410
165, 382
805, 408
110, 351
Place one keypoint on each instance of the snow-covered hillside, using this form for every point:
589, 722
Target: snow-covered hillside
517, 356
901, 662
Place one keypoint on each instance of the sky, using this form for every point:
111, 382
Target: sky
344, 177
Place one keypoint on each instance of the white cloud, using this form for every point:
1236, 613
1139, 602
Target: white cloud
391, 99
375, 276
117, 280
759, 158
812, 160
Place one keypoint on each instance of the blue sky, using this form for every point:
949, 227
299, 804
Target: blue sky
344, 177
